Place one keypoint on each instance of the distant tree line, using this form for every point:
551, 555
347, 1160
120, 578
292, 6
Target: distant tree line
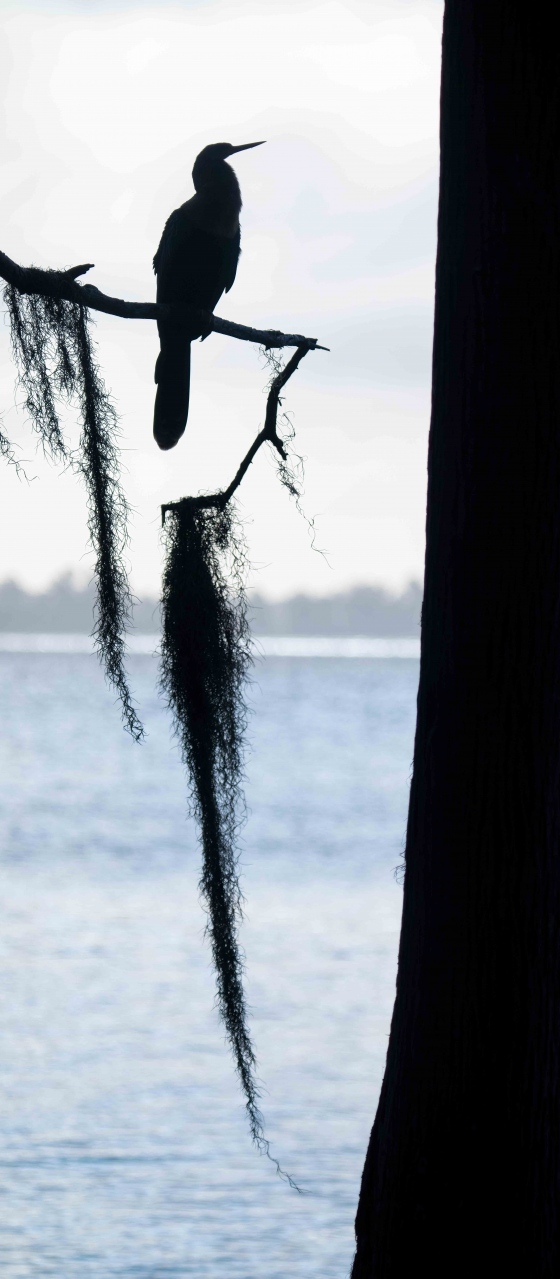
364, 610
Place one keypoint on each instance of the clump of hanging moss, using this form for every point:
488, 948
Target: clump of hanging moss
55, 359
206, 660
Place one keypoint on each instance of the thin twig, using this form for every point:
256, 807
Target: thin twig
269, 434
62, 284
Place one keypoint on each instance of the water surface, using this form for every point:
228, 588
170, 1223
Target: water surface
124, 1150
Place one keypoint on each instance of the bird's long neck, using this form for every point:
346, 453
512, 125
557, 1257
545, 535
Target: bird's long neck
219, 193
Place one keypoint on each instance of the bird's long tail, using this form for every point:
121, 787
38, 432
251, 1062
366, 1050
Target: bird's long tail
173, 377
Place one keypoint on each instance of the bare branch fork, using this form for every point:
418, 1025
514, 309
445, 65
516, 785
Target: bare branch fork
62, 284
269, 434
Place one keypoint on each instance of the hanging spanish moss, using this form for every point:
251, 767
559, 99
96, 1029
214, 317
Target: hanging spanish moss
289, 464
7, 452
205, 661
40, 333
108, 520
206, 658
54, 356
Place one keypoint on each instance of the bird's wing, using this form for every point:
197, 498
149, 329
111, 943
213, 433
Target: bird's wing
194, 263
231, 251
170, 237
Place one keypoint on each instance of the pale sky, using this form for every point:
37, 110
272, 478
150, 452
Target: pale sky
105, 107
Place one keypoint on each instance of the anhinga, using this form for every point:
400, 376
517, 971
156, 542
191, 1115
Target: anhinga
195, 263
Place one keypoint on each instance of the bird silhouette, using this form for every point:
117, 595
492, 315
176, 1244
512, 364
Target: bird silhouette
195, 263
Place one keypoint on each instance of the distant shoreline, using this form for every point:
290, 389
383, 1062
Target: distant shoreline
366, 612
289, 646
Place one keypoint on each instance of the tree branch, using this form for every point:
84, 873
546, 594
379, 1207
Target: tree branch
62, 284
269, 434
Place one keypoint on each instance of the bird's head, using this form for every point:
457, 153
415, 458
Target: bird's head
208, 164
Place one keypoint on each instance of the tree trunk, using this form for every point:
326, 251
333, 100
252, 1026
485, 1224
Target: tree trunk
462, 1176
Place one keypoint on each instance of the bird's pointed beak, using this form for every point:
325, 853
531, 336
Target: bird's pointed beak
247, 146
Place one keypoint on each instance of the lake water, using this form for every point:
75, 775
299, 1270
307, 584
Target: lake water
124, 1148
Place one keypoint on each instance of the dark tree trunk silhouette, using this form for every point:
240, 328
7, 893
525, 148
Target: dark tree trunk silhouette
462, 1175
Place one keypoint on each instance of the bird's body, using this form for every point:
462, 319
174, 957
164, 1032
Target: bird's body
195, 263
